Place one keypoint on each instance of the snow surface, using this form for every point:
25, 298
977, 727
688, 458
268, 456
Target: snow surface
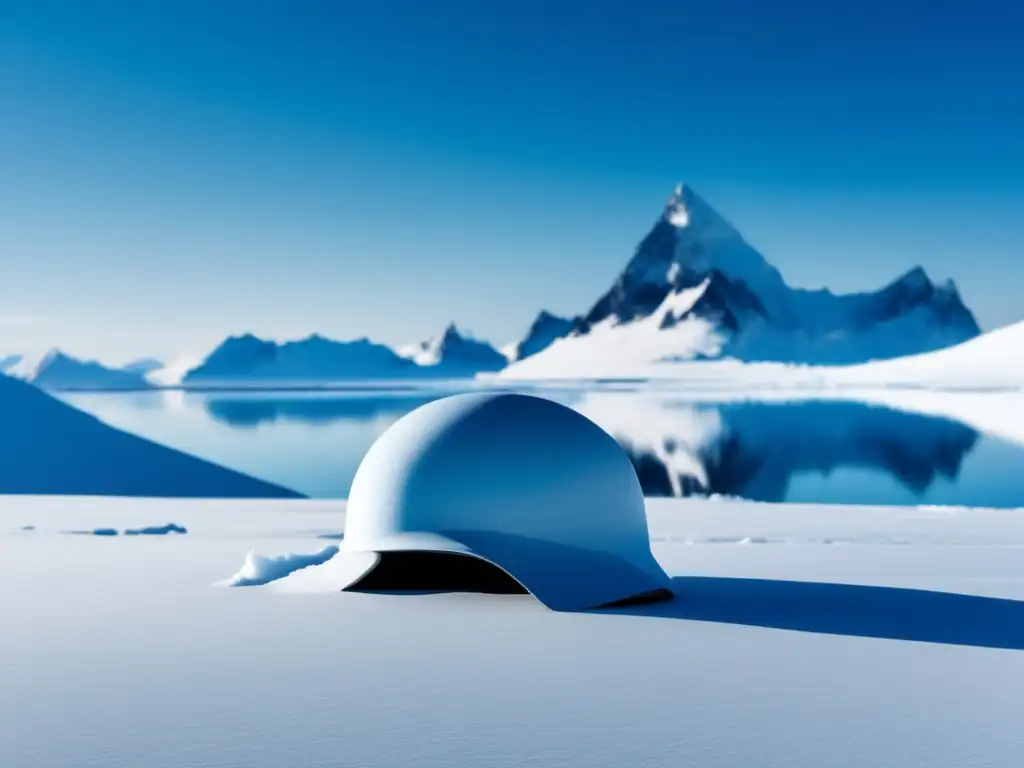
803, 636
992, 360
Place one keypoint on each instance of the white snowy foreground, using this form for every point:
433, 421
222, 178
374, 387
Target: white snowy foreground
802, 637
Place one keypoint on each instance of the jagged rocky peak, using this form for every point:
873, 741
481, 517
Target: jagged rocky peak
451, 335
744, 301
685, 209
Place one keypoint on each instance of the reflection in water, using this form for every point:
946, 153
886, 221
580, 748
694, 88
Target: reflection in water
240, 410
753, 450
680, 448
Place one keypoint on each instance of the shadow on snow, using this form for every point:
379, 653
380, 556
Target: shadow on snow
845, 609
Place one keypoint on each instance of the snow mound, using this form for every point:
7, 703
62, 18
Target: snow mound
262, 569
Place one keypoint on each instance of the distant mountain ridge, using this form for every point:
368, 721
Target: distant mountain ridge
456, 353
693, 289
59, 371
250, 359
694, 268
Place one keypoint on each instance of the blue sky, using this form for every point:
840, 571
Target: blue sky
171, 172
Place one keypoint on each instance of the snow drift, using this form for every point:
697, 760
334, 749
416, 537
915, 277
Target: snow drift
262, 569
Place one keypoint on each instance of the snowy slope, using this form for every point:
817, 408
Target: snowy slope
49, 447
454, 353
9, 361
251, 360
61, 372
804, 636
747, 309
995, 359
609, 349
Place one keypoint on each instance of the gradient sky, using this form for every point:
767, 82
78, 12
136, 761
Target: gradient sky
171, 172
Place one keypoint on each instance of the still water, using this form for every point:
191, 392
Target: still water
826, 451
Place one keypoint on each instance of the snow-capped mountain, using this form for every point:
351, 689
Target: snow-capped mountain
48, 447
61, 372
543, 332
454, 353
695, 288
251, 360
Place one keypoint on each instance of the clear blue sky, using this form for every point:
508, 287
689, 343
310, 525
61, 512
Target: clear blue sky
171, 172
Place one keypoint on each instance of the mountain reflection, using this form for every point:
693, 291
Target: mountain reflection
753, 450
247, 411
747, 449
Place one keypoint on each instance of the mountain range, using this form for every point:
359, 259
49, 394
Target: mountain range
59, 371
693, 290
